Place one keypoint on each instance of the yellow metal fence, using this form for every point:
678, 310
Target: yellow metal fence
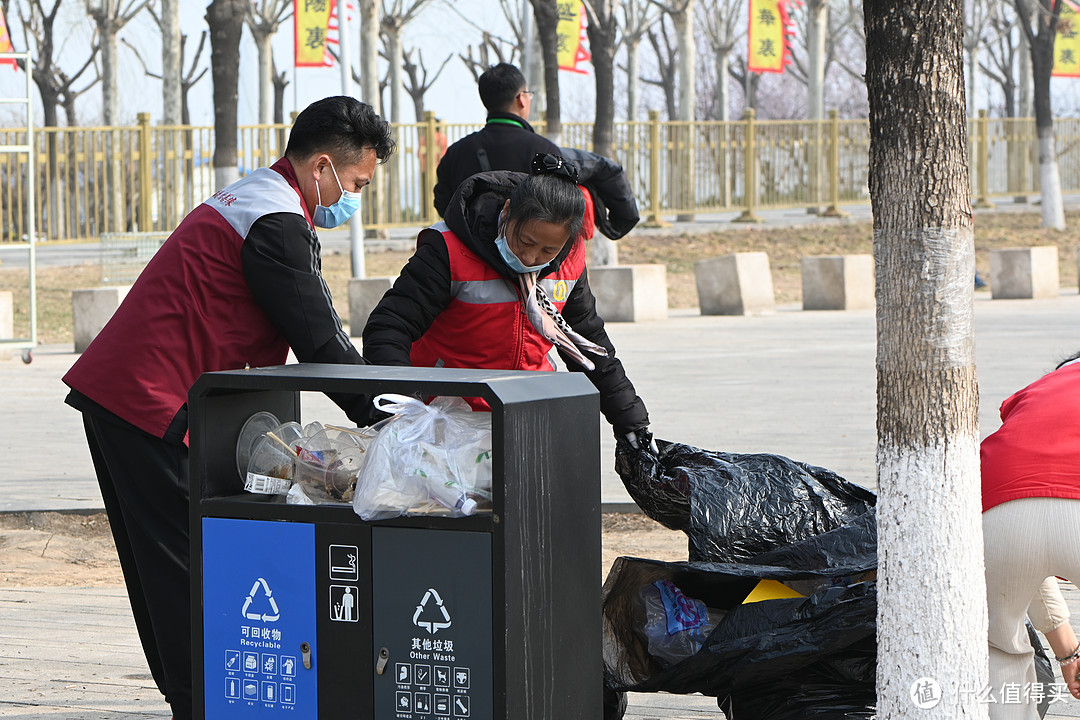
144, 178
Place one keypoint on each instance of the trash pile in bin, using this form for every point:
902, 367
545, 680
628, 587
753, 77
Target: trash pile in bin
425, 459
773, 614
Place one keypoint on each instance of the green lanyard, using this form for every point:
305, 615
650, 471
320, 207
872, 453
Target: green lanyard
506, 121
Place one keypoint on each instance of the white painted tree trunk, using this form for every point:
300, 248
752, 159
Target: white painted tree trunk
171, 71
263, 41
225, 176
1053, 210
605, 252
931, 620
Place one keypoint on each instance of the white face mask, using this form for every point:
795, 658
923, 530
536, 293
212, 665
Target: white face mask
512, 260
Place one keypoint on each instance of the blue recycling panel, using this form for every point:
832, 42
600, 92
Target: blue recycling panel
258, 608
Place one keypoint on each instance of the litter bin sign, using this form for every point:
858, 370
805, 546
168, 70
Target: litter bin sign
258, 618
307, 611
432, 610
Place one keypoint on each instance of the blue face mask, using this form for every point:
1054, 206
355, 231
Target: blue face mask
339, 212
512, 260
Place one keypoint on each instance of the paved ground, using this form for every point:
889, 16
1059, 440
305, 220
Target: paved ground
795, 383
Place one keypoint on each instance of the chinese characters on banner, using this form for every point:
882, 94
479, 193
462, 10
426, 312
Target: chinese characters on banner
312, 18
6, 45
770, 31
570, 35
1067, 42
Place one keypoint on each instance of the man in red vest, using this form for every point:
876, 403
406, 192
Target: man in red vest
238, 283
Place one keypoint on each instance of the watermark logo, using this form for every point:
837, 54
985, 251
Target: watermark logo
925, 693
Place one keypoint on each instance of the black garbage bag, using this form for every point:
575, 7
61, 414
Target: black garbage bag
779, 659
735, 506
749, 517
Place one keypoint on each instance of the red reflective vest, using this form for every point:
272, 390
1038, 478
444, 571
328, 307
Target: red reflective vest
485, 326
191, 310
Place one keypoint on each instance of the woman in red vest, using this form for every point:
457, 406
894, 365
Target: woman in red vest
1031, 513
500, 282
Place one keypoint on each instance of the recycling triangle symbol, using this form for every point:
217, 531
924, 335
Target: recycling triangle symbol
428, 617
252, 600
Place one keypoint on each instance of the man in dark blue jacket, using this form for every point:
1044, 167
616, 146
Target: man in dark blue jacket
506, 142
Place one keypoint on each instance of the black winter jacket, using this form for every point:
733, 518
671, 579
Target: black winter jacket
616, 210
510, 144
423, 290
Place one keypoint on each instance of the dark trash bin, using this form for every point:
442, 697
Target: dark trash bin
310, 611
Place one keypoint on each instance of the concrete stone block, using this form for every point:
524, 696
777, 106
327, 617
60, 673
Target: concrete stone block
1022, 273
91, 309
7, 322
736, 284
838, 282
630, 293
364, 295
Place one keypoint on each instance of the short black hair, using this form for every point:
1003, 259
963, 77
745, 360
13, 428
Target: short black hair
342, 127
548, 198
499, 85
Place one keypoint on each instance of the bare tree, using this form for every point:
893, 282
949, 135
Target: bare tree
681, 13
1044, 15
396, 14
188, 78
264, 18
601, 27
172, 62
930, 570
226, 21
419, 83
1002, 52
638, 17
721, 22
111, 16
546, 14
491, 50
281, 81
38, 30
978, 13
56, 88
666, 67
369, 55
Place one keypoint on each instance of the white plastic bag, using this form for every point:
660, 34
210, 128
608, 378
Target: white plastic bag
426, 459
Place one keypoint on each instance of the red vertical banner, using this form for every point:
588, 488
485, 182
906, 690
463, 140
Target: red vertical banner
570, 35
311, 19
771, 29
6, 46
1067, 42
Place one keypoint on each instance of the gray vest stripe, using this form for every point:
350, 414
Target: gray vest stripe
487, 292
483, 292
549, 287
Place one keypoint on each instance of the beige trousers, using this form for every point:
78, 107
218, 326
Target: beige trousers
1027, 542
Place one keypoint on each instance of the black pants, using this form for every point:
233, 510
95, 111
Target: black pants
144, 483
